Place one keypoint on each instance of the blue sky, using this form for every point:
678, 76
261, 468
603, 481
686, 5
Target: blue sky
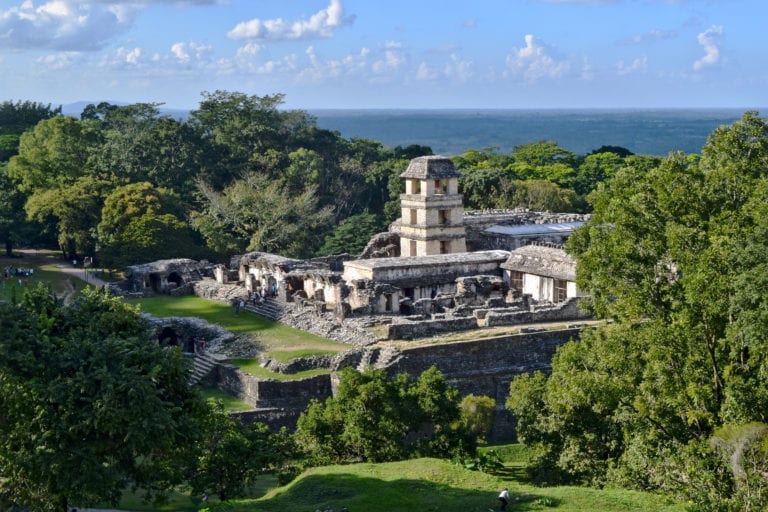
390, 53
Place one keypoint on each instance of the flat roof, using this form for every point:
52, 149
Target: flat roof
534, 229
430, 261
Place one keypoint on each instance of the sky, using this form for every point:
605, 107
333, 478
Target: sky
414, 54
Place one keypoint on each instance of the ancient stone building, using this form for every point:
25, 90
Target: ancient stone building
432, 208
544, 272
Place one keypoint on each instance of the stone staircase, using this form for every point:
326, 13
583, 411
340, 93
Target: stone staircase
377, 358
271, 308
202, 365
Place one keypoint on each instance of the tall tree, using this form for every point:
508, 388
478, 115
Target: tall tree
142, 223
257, 214
89, 403
674, 255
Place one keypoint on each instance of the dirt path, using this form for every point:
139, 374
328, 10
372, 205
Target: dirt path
48, 258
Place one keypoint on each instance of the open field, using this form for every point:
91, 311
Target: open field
274, 338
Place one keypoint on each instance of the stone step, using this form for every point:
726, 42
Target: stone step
202, 365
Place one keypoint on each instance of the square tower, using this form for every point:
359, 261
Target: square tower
432, 210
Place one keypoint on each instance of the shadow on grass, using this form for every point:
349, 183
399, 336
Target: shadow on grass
332, 492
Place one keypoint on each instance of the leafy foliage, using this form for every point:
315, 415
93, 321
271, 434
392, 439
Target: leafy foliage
89, 404
676, 255
376, 419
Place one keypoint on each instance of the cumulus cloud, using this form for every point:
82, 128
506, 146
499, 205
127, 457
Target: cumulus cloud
56, 61
320, 25
709, 40
185, 52
393, 57
534, 62
61, 25
458, 69
638, 65
425, 72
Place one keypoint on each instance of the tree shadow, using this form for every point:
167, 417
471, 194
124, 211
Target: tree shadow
333, 492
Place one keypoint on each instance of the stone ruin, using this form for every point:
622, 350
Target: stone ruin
169, 277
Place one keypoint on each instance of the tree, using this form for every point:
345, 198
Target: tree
89, 403
257, 214
140, 223
231, 454
675, 255
74, 209
477, 414
52, 154
373, 418
351, 235
17, 117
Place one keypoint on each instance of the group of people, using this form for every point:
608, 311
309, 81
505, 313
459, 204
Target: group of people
23, 274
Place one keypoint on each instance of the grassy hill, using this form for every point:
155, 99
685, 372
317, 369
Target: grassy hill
436, 485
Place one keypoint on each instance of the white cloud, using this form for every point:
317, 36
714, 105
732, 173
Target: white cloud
425, 72
638, 65
61, 60
185, 51
319, 25
709, 40
319, 69
534, 62
61, 25
392, 60
129, 56
457, 69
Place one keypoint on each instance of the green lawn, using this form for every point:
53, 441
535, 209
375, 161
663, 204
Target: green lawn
252, 367
43, 262
437, 485
230, 403
276, 339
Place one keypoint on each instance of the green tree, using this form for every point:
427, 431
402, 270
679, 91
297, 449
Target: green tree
231, 454
74, 209
351, 235
373, 418
675, 255
52, 154
477, 414
258, 214
90, 404
140, 223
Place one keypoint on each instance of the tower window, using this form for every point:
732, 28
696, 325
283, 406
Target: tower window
414, 217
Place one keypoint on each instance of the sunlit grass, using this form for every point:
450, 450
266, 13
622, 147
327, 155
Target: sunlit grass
252, 367
274, 337
229, 402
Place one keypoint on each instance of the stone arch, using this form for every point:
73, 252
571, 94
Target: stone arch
168, 337
175, 278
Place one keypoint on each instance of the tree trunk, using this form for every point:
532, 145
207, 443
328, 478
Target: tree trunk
8, 247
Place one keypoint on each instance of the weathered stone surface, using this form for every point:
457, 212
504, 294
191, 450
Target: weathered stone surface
487, 366
382, 245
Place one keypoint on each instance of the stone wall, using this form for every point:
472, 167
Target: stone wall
486, 367
424, 328
568, 310
292, 394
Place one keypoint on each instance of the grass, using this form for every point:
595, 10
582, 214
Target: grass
275, 339
44, 263
230, 403
252, 367
437, 485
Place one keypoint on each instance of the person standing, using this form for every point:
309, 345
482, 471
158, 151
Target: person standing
504, 499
